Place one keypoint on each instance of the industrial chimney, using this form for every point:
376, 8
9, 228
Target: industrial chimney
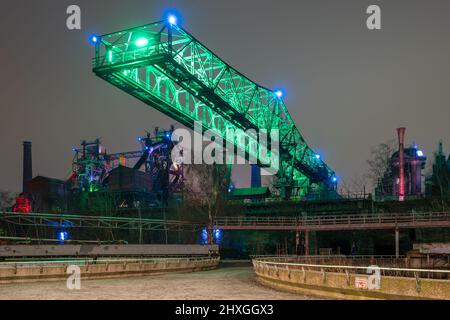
27, 165
401, 163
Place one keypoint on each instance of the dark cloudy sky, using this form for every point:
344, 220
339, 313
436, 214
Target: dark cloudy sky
347, 88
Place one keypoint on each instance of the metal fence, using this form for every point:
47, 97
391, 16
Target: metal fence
331, 222
387, 265
90, 261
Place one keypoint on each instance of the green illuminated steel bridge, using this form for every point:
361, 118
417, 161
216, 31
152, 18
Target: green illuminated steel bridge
164, 66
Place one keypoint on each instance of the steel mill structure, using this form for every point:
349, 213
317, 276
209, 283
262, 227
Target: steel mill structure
403, 178
143, 178
94, 169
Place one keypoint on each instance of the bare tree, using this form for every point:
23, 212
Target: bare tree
344, 187
378, 162
207, 186
6, 200
442, 181
355, 186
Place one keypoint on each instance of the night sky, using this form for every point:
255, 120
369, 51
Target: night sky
347, 88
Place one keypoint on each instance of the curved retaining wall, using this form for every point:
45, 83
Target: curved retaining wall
106, 269
89, 250
341, 285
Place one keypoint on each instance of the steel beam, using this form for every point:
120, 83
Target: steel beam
397, 242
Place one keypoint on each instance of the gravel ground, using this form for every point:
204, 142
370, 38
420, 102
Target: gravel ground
224, 283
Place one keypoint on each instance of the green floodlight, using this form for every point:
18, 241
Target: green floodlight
141, 42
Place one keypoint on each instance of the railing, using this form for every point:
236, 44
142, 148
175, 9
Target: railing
327, 222
69, 241
112, 58
335, 266
342, 260
288, 258
83, 262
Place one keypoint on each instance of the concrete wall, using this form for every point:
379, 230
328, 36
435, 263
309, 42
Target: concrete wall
105, 250
343, 286
54, 272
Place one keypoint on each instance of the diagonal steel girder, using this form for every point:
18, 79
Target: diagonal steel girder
177, 75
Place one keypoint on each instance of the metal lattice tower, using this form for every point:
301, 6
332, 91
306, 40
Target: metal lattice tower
164, 66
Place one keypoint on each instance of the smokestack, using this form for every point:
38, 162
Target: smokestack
401, 163
27, 165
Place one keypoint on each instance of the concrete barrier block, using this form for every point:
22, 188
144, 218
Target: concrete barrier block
96, 268
54, 270
7, 272
114, 267
28, 271
133, 267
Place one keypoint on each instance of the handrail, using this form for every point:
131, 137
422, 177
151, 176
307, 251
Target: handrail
335, 219
105, 261
348, 267
340, 256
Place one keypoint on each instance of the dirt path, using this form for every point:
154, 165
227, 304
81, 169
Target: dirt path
224, 283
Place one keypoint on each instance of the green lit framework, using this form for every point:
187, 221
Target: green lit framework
167, 68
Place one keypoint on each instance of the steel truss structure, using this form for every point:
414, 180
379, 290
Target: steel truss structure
164, 66
96, 222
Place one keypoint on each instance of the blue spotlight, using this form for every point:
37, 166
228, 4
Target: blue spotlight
63, 236
204, 236
172, 19
94, 38
334, 179
217, 235
317, 156
419, 153
279, 93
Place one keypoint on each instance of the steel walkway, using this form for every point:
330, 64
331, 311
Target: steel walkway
337, 222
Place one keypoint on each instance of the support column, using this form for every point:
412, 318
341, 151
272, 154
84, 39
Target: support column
401, 163
209, 233
306, 243
397, 242
256, 176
